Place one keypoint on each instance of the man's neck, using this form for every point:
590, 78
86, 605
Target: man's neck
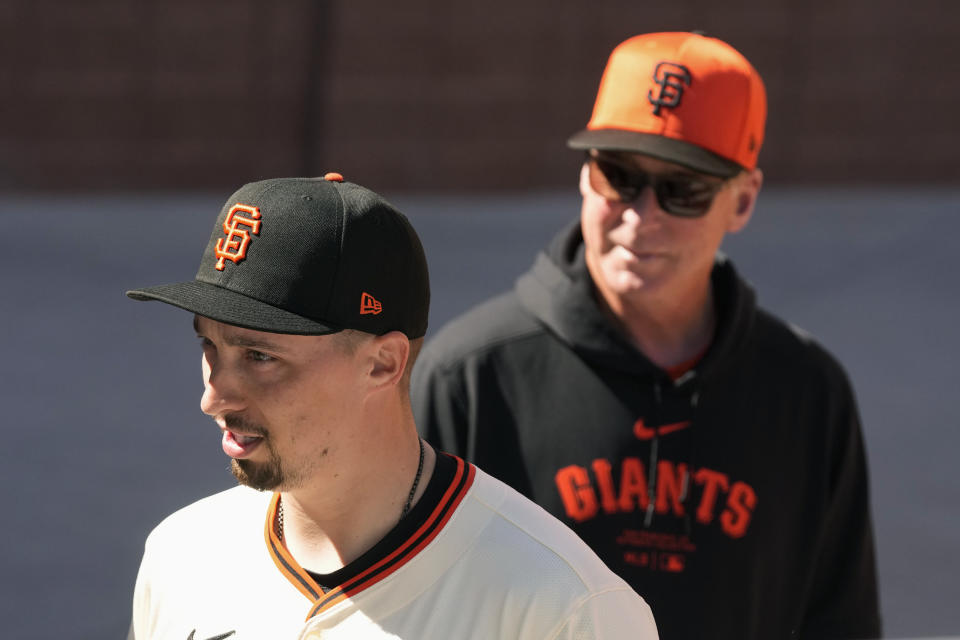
329, 526
667, 329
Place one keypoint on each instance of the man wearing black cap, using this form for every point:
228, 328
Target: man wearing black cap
710, 453
310, 304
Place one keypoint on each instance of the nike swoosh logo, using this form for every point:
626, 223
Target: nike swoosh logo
219, 637
643, 432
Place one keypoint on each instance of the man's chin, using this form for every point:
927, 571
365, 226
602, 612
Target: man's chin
260, 476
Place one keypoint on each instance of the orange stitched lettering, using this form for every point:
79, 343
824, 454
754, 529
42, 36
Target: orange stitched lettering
608, 495
638, 558
670, 486
579, 499
711, 481
369, 305
585, 494
740, 504
633, 485
237, 241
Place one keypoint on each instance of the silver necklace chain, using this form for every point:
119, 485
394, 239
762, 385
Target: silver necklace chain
406, 506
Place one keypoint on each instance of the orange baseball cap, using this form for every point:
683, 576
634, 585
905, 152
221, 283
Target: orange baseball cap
680, 97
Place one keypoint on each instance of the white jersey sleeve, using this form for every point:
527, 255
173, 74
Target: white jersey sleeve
611, 615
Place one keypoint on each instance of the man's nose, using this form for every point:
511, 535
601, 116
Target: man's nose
221, 390
644, 209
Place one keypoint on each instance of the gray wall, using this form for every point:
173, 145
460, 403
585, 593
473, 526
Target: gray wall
101, 434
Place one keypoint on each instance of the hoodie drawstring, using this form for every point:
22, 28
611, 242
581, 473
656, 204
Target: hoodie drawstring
691, 465
652, 462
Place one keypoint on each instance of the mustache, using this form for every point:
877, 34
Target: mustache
239, 423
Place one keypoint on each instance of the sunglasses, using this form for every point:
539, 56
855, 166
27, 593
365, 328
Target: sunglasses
686, 196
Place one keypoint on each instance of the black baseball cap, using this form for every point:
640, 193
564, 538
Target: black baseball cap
308, 256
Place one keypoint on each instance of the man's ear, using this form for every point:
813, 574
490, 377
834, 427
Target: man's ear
748, 188
584, 184
388, 358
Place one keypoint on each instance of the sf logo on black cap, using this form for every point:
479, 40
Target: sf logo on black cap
235, 248
672, 78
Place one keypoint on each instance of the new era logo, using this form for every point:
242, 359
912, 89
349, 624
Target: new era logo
369, 305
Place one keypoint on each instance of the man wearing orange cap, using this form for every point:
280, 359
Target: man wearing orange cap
708, 451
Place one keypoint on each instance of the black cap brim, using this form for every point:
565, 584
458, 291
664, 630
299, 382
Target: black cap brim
676, 151
232, 308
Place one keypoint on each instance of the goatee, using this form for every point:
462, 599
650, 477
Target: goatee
262, 476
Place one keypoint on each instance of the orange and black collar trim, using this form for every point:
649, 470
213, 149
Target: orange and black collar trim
449, 484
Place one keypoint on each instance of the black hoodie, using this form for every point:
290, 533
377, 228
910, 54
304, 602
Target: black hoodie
734, 498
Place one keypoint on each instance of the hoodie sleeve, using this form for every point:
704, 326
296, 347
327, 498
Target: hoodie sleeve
843, 600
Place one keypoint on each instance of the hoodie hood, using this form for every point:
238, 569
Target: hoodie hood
559, 292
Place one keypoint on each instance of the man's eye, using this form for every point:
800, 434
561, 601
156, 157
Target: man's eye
259, 356
689, 189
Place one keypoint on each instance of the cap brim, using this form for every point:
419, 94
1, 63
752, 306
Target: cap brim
232, 308
677, 151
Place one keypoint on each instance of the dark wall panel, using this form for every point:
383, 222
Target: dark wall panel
418, 95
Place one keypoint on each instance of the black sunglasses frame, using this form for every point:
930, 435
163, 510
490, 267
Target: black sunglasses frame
680, 195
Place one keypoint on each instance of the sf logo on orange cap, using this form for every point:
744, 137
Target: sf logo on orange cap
235, 248
672, 78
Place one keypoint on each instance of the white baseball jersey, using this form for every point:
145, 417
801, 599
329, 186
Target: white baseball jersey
473, 560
